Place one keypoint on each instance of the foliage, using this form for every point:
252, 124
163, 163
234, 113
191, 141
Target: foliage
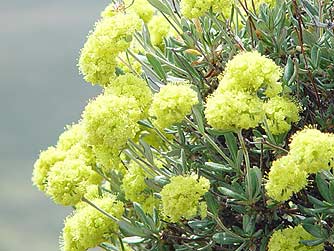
214, 130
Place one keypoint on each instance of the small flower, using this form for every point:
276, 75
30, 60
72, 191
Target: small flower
285, 178
112, 35
109, 122
250, 71
172, 104
136, 189
129, 85
313, 150
68, 181
289, 239
87, 227
197, 8
281, 113
42, 166
232, 110
181, 197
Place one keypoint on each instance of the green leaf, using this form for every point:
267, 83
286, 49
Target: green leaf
156, 66
316, 230
232, 145
218, 167
198, 117
312, 243
230, 193
133, 239
225, 239
160, 6
323, 188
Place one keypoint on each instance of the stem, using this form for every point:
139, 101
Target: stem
212, 143
223, 227
100, 210
247, 162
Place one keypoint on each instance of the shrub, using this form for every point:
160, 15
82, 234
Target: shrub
214, 130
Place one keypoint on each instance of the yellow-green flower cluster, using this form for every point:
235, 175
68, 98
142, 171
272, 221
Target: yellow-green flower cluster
289, 239
251, 72
181, 197
172, 104
159, 29
88, 227
235, 104
68, 180
285, 178
135, 188
281, 112
112, 35
197, 8
313, 149
64, 172
131, 86
42, 166
233, 110
109, 122
141, 7
310, 151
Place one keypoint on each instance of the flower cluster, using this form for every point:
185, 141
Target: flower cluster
87, 227
136, 189
197, 8
235, 105
64, 172
289, 239
172, 104
183, 202
112, 35
310, 151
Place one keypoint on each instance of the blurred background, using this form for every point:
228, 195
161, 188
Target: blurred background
40, 92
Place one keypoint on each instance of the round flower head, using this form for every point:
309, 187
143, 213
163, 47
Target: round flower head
71, 136
111, 36
109, 122
87, 227
141, 7
197, 8
172, 104
249, 71
181, 197
285, 178
159, 29
42, 166
289, 239
313, 149
135, 188
129, 85
233, 110
281, 113
68, 180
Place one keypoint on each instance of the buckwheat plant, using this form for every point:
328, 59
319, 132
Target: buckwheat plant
214, 129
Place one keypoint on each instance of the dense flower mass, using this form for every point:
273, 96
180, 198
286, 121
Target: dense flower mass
313, 149
172, 104
136, 189
181, 197
289, 239
112, 35
285, 178
197, 8
42, 166
250, 71
233, 110
129, 85
109, 122
87, 227
68, 180
198, 100
281, 113
159, 29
